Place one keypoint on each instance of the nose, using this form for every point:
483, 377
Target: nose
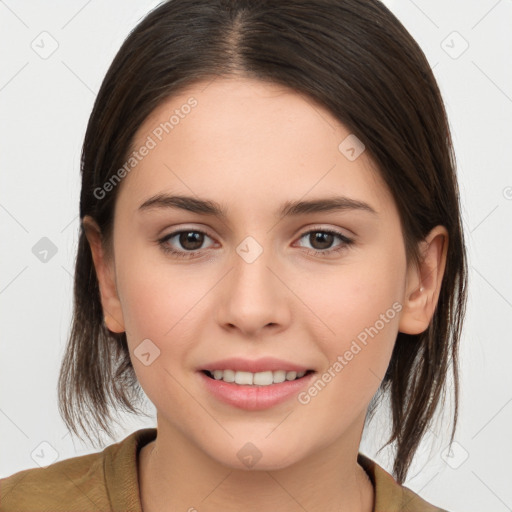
255, 296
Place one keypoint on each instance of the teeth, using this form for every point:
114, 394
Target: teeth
260, 379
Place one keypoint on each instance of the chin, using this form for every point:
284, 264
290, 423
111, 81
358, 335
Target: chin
257, 456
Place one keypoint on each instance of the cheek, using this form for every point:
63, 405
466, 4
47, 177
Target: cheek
154, 294
357, 310
160, 304
163, 302
352, 297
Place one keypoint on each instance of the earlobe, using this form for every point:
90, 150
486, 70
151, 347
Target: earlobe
112, 312
424, 283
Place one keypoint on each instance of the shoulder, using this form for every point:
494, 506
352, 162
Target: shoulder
390, 496
101, 481
78, 481
414, 503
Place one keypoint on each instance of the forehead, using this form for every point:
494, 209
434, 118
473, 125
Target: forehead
238, 138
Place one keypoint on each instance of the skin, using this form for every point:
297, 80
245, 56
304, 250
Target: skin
251, 146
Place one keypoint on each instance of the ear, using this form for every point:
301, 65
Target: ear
106, 277
424, 283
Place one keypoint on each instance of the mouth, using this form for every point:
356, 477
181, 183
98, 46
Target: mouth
265, 378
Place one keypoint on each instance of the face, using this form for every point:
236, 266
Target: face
321, 288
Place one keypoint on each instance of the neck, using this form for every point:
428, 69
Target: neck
175, 475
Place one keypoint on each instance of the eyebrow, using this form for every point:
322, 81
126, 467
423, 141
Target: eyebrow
288, 209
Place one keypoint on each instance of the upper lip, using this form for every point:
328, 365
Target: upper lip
254, 366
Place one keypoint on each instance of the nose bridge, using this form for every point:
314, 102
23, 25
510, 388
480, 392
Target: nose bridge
251, 272
253, 297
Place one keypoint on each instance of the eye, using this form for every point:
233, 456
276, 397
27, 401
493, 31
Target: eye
322, 240
190, 239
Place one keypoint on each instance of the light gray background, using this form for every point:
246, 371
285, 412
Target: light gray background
45, 104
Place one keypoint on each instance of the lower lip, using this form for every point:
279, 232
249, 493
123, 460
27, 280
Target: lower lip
255, 398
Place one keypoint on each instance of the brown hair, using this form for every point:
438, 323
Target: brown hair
355, 58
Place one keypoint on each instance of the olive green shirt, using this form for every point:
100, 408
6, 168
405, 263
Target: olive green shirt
108, 481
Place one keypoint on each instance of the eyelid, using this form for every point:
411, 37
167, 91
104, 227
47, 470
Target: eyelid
299, 234
178, 229
347, 233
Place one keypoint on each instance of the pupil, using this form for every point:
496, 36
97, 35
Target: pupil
321, 237
193, 237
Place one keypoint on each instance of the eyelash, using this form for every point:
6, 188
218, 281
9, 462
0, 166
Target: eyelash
314, 252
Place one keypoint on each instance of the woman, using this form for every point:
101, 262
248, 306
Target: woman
270, 244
